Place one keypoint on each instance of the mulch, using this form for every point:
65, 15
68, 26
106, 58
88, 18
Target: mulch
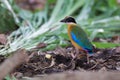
60, 60
66, 59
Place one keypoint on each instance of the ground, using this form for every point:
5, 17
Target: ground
63, 59
60, 60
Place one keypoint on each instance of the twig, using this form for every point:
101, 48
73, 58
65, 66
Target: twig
8, 65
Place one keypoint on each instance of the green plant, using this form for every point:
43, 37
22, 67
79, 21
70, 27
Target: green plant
95, 17
10, 78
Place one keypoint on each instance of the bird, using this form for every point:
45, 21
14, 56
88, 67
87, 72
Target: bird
78, 36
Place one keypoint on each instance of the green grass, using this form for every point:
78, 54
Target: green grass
105, 45
10, 78
98, 18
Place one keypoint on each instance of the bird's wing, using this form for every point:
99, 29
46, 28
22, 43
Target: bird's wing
80, 37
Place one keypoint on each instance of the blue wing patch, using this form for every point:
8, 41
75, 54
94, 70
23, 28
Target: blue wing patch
76, 40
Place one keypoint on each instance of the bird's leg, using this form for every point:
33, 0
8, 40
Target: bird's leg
87, 55
76, 53
74, 56
88, 59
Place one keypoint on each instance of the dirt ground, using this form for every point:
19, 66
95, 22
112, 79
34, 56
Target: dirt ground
61, 60
66, 59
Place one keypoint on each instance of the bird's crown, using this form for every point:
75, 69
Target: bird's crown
68, 19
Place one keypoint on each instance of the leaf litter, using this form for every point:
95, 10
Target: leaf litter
61, 59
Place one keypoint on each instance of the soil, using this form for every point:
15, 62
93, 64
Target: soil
67, 59
63, 59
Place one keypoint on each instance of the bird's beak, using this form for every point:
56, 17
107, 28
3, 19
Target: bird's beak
63, 20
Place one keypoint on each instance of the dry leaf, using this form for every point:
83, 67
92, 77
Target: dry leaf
3, 39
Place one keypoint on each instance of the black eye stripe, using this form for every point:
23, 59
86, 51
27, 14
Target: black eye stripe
68, 20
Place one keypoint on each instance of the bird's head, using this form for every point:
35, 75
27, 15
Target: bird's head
68, 19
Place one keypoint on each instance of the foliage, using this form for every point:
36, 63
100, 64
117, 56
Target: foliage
98, 18
9, 78
105, 45
6, 22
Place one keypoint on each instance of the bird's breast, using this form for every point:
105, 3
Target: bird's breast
72, 41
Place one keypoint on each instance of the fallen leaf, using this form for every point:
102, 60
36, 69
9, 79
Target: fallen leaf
117, 50
116, 39
3, 39
41, 45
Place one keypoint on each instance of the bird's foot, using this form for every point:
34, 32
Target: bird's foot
74, 55
88, 59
